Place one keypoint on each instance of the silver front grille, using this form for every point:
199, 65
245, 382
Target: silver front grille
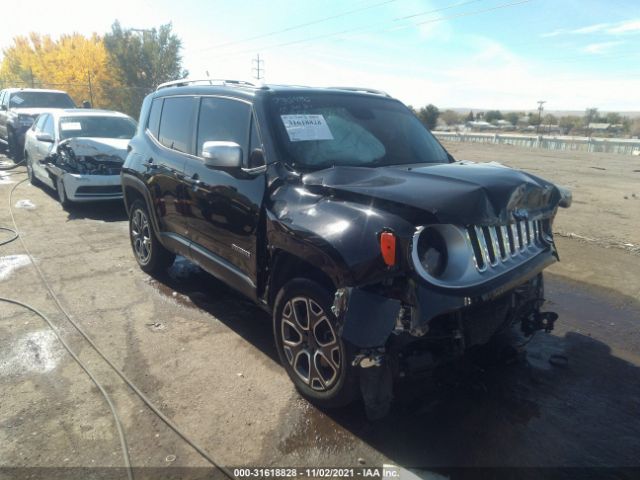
499, 244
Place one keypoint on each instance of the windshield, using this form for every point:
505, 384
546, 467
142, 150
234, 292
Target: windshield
97, 126
322, 130
40, 100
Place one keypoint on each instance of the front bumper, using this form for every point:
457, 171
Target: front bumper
91, 188
368, 317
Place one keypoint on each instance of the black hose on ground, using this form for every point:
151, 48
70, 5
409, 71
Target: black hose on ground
118, 371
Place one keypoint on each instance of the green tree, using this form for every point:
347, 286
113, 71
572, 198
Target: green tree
591, 116
569, 123
450, 117
613, 118
550, 119
144, 60
493, 115
470, 117
512, 117
429, 116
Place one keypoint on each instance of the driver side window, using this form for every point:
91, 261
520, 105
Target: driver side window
37, 127
48, 126
226, 120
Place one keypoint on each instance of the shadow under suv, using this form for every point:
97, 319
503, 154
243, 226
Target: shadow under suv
336, 210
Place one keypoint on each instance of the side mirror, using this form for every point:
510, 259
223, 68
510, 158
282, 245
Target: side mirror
44, 137
222, 154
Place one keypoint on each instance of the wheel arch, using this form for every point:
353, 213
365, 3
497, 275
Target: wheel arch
135, 189
286, 266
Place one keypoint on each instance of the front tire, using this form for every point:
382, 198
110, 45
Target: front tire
151, 255
14, 150
316, 358
62, 193
30, 173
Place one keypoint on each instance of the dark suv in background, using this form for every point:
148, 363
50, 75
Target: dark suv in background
337, 211
19, 107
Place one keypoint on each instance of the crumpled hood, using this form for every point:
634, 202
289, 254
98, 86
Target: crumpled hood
96, 147
461, 193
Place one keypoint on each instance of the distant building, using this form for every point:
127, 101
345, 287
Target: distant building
549, 128
599, 127
504, 125
481, 125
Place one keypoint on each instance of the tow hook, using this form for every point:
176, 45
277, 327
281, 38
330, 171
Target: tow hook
539, 321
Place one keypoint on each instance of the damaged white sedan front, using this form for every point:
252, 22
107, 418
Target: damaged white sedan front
79, 153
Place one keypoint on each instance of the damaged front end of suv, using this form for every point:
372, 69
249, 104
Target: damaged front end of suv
441, 258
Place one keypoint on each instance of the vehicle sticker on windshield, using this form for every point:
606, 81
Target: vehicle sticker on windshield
17, 100
306, 127
65, 126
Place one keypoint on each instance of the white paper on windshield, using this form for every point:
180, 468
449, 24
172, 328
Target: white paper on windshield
66, 126
306, 127
17, 100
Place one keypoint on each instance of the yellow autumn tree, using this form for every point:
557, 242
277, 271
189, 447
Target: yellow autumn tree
74, 63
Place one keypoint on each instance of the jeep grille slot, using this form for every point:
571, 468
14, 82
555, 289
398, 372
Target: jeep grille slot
497, 244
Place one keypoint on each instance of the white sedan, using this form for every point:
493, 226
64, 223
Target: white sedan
79, 153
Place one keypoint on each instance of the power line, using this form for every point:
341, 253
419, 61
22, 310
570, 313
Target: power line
296, 27
367, 28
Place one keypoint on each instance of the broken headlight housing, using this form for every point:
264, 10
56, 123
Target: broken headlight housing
432, 251
442, 255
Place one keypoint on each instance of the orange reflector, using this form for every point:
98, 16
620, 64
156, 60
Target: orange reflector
388, 248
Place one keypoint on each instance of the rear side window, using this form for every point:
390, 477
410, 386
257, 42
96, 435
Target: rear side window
176, 123
226, 120
154, 117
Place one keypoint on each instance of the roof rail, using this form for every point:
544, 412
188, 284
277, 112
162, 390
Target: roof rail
205, 81
362, 89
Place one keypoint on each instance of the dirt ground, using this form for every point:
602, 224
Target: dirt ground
205, 356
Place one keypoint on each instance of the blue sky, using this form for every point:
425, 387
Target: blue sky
503, 54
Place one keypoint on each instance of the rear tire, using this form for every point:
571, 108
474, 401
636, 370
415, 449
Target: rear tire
316, 358
151, 255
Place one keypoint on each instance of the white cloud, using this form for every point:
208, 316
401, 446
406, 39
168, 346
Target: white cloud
631, 26
601, 47
625, 27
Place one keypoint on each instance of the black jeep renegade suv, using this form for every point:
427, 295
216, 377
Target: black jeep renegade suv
336, 210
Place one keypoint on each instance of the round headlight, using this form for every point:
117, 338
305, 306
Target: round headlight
432, 252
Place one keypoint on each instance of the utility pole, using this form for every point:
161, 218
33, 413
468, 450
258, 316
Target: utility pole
258, 67
540, 108
31, 75
90, 88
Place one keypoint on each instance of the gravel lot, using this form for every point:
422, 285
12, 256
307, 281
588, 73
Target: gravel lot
205, 356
